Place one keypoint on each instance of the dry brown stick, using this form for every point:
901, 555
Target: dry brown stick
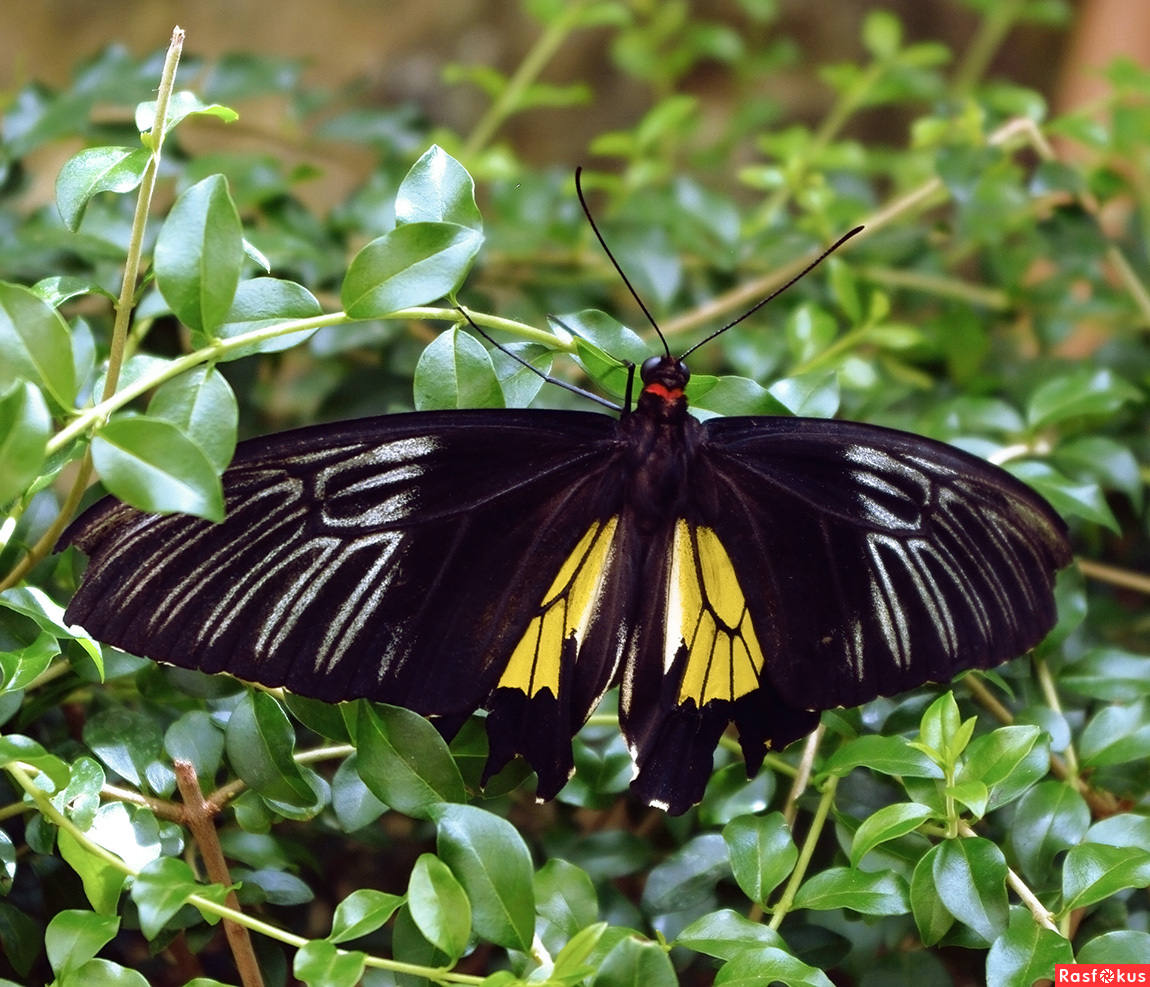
199, 814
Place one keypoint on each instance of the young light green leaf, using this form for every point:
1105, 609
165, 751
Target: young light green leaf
93, 170
489, 858
439, 905
199, 254
35, 345
75, 936
437, 189
320, 964
412, 265
25, 427
151, 464
888, 823
405, 761
361, 913
101, 880
182, 104
160, 890
102, 973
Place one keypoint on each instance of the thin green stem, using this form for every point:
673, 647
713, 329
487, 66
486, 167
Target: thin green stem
780, 910
541, 53
1050, 694
981, 49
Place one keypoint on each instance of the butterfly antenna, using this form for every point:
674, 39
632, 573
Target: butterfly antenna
778, 291
615, 263
591, 396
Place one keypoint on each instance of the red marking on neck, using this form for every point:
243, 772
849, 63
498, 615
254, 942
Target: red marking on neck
666, 393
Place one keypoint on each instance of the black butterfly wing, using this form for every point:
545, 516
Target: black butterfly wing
820, 564
400, 558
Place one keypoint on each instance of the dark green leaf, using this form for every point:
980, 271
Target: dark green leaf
199, 254
1116, 735
25, 427
405, 761
1116, 947
930, 914
195, 738
1108, 673
412, 265
437, 189
762, 853
35, 345
259, 742
565, 898
970, 875
1050, 818
93, 170
354, 804
688, 876
725, 934
491, 861
888, 755
130, 743
154, 466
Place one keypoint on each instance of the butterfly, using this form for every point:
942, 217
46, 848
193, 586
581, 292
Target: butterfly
754, 570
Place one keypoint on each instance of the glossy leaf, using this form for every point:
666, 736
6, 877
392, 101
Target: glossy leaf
437, 189
25, 427
635, 961
94, 170
762, 853
888, 755
260, 303
725, 934
1092, 872
203, 407
455, 371
74, 936
1026, 952
769, 964
888, 823
199, 253
35, 345
869, 893
439, 905
1116, 735
361, 913
1050, 818
151, 464
320, 964
970, 875
259, 743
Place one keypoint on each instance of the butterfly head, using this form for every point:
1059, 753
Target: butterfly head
665, 377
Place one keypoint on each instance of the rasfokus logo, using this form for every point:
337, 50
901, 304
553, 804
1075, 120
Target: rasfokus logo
1102, 973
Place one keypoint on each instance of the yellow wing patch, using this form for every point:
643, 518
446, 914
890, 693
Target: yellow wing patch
566, 609
707, 614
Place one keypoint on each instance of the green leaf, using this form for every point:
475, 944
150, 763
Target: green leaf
869, 893
887, 755
102, 881
195, 738
931, 916
25, 427
7, 863
489, 858
942, 730
1092, 872
160, 890
881, 34
21, 667
439, 905
1108, 673
259, 743
199, 254
94, 170
725, 934
437, 189
73, 937
20, 941
151, 464
565, 899
35, 345
361, 913
888, 823
1116, 735
1025, 953
688, 876
103, 973
970, 875
263, 302
814, 395
1049, 818
412, 265
1084, 391
762, 853
731, 395
633, 962
181, 104
405, 761
20, 749
455, 371
321, 964
130, 743
1124, 829
1116, 947
80, 799
766, 965
202, 405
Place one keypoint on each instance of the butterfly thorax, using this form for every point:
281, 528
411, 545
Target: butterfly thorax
660, 439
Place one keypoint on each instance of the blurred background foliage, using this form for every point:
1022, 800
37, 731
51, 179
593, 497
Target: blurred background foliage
995, 151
